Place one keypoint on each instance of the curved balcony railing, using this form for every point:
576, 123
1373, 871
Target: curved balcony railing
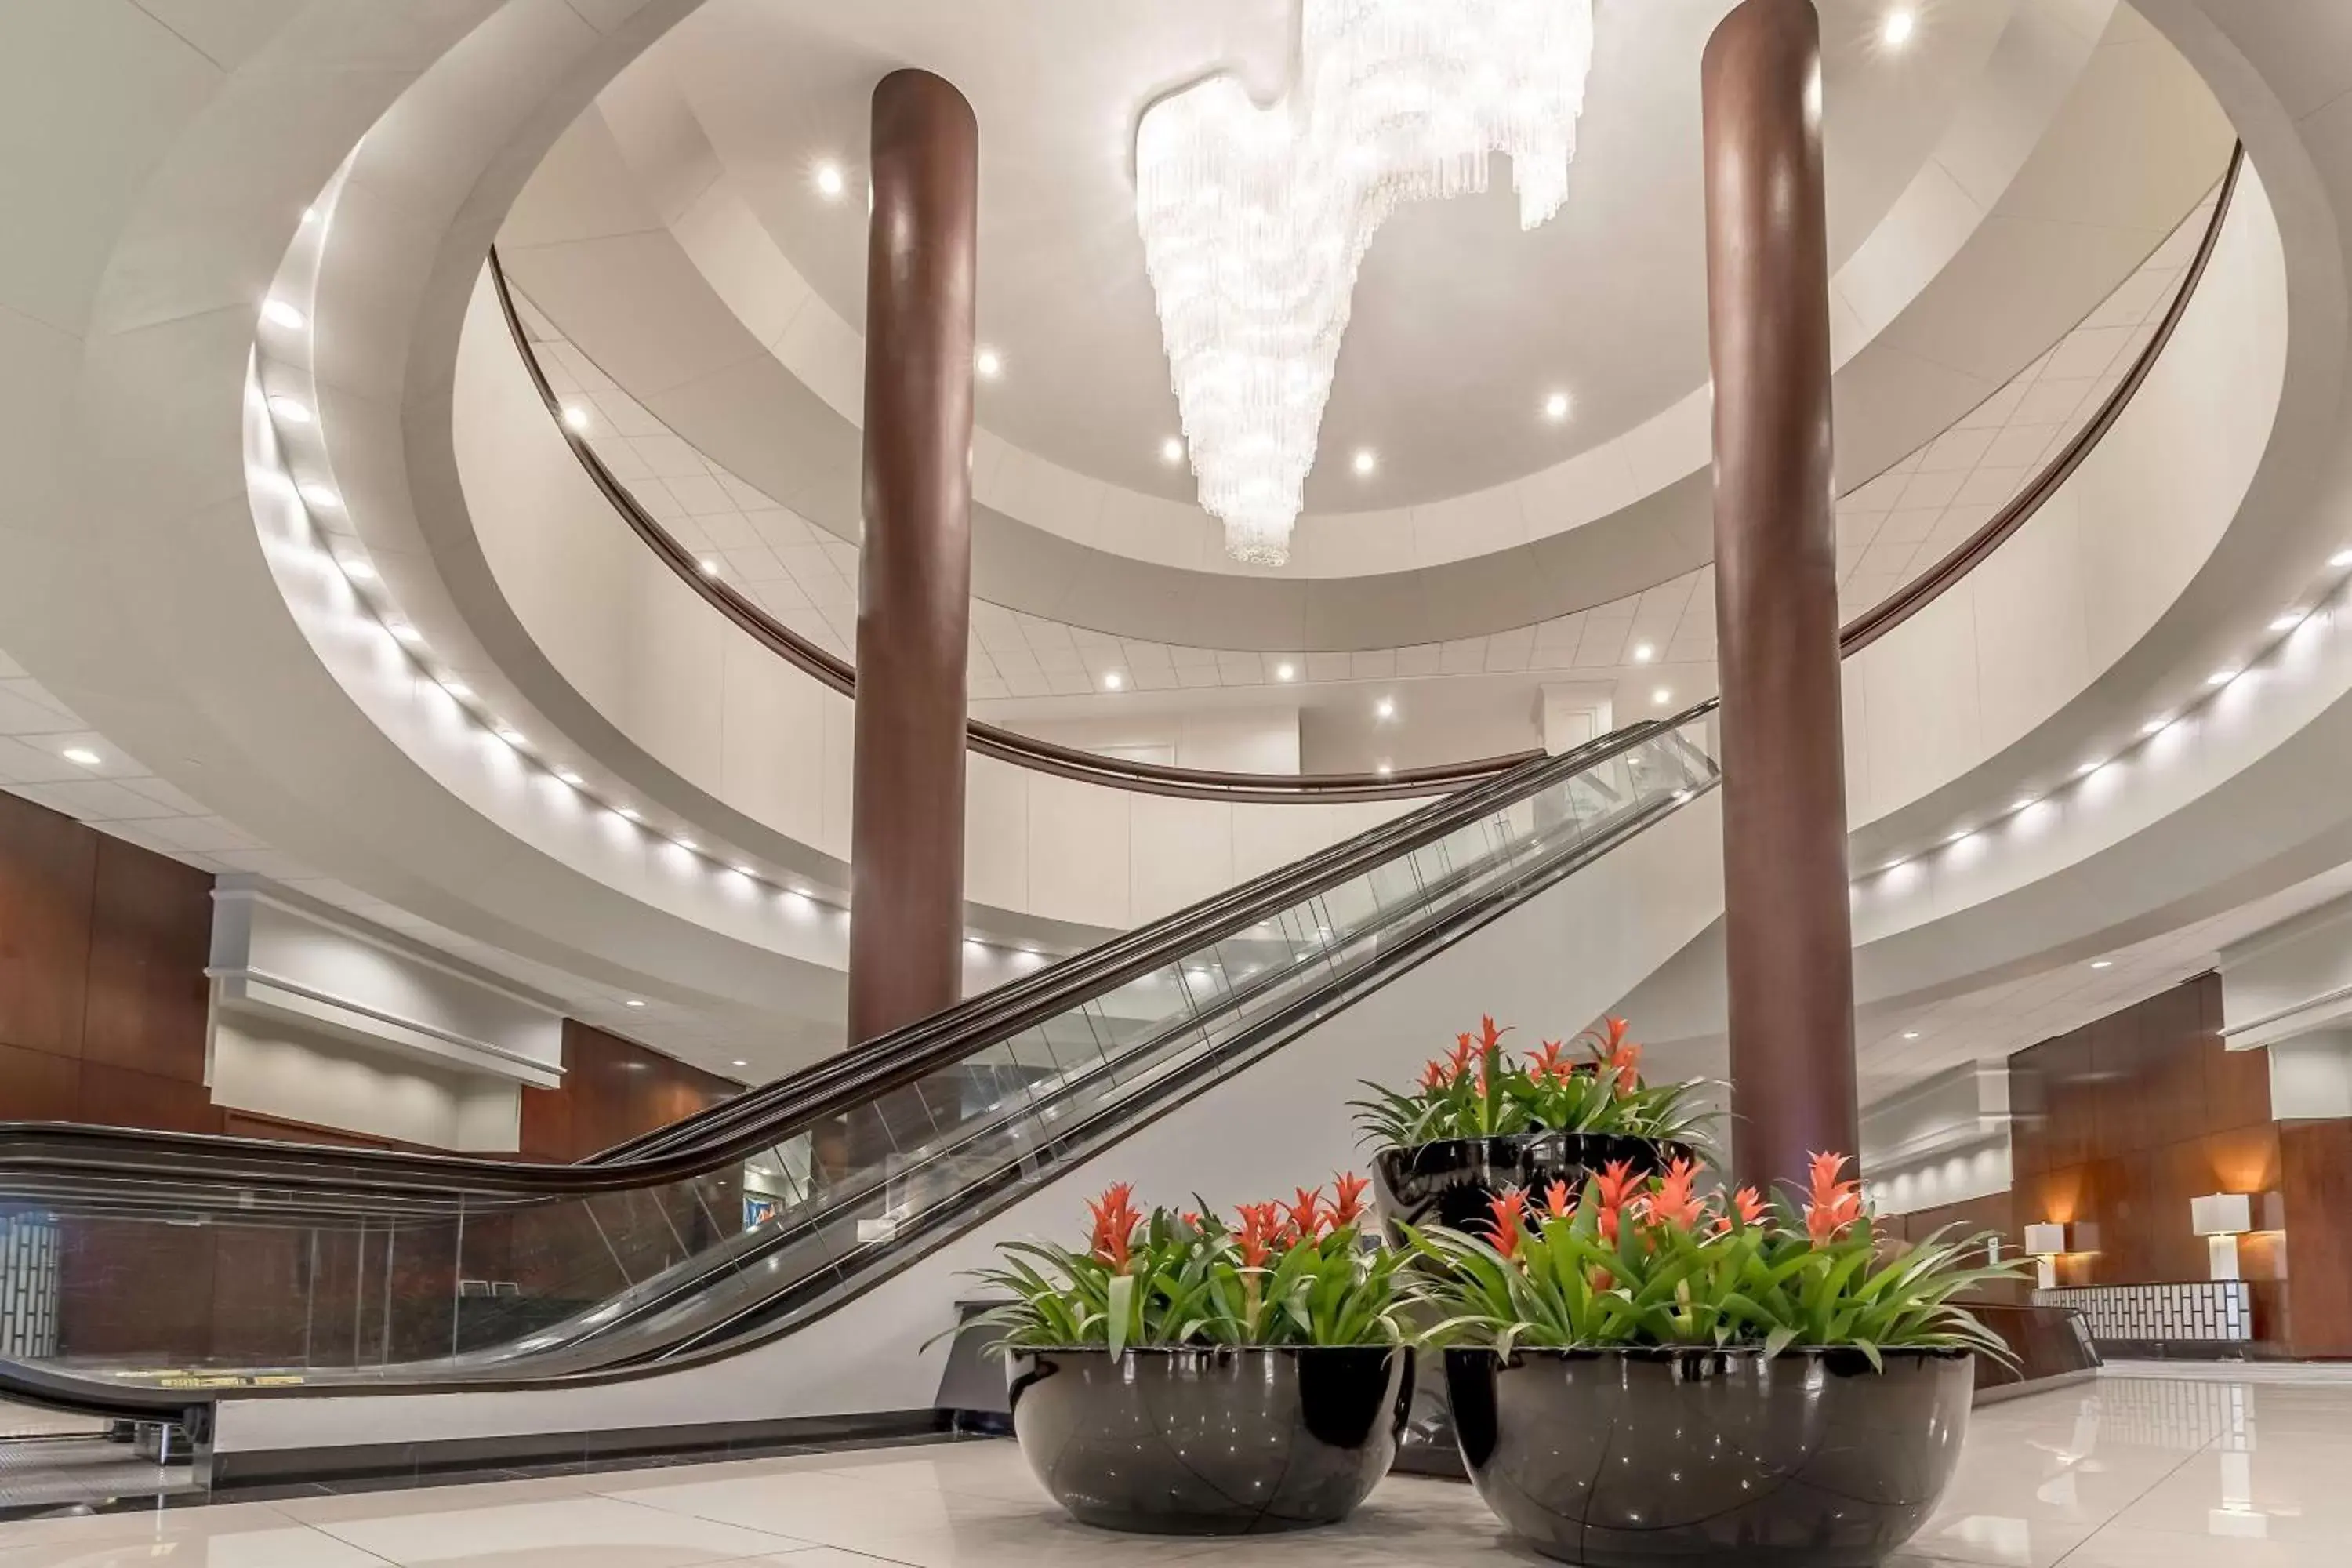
1023, 750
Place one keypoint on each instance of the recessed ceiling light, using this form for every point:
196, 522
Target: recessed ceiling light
1112, 680
741, 1063
989, 363
1385, 769
1384, 709
2221, 678
291, 410
831, 183
319, 495
1171, 450
627, 813
2103, 963
2025, 803
1643, 652
356, 569
2287, 622
1910, 1034
743, 871
567, 776
1662, 695
310, 214
1896, 30
2156, 726
457, 689
1962, 836
2341, 557
710, 564
511, 737
2087, 769
1366, 460
279, 313
686, 844
405, 633
83, 755
1556, 406
574, 417
633, 1001
1285, 672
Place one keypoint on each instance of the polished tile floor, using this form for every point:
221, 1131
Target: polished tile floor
2140, 1469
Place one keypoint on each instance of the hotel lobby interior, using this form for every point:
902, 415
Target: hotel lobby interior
1349, 782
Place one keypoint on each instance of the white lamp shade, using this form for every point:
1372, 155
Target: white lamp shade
2222, 1213
2045, 1240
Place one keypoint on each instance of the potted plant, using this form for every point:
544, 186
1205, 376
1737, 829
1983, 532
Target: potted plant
1179, 1375
1644, 1373
1480, 1121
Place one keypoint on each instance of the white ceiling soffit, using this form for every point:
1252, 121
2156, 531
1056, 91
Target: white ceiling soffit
634, 240
133, 582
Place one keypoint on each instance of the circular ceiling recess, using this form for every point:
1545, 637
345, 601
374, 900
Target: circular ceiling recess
1477, 353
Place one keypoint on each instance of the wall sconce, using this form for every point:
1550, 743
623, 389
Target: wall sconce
2045, 1242
2221, 1219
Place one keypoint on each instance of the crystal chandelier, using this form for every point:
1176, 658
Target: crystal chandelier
1255, 220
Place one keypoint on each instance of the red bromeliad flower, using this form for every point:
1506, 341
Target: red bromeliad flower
1672, 1202
1465, 1051
1490, 1038
1747, 1207
1506, 1207
1613, 1187
1348, 1207
1836, 1204
1260, 1227
1434, 1077
1558, 1202
1115, 1222
1551, 1062
1613, 1053
1307, 1214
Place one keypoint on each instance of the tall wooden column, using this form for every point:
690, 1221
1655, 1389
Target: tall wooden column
914, 574
1787, 923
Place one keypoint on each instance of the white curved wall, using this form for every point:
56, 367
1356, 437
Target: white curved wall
734, 722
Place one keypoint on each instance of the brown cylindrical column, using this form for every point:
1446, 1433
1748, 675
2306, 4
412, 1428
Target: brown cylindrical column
1787, 928
914, 574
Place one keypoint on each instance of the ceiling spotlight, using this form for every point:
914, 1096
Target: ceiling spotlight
1366, 460
1556, 406
743, 871
633, 1001
1662, 695
1643, 652
2103, 963
2156, 726
574, 417
318, 495
566, 775
83, 755
1962, 836
2288, 622
1385, 769
627, 813
1384, 709
291, 410
357, 569
741, 1063
2025, 802
1910, 1034
989, 363
1113, 680
457, 689
1896, 30
2341, 557
1171, 450
831, 183
1285, 672
407, 634
279, 313
511, 737
2221, 678
710, 564
2087, 769
685, 844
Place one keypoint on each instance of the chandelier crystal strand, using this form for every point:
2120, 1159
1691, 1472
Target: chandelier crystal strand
1255, 220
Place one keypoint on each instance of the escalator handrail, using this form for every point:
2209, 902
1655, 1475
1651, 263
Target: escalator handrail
51, 1150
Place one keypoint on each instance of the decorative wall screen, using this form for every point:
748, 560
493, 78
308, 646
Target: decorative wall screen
29, 1288
2209, 1311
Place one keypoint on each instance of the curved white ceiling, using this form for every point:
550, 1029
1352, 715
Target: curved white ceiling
639, 242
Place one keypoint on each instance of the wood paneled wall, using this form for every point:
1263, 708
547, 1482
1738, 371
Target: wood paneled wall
614, 1089
102, 952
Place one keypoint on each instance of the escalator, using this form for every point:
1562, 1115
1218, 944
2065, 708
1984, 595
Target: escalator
336, 1270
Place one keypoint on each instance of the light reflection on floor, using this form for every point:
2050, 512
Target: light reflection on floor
2147, 1468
